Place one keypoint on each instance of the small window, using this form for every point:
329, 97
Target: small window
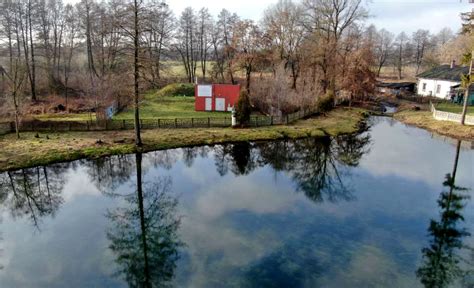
424, 87
438, 89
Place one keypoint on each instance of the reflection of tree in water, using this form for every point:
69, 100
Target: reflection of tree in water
144, 233
34, 192
108, 173
315, 164
442, 264
240, 158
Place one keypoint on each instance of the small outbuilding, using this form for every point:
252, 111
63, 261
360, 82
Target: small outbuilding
216, 97
395, 88
441, 81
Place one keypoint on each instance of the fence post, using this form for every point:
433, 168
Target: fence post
175, 122
209, 122
192, 122
159, 123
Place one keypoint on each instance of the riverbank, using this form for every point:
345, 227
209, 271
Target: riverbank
67, 146
425, 120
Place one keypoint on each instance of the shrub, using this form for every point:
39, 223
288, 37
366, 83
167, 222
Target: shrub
177, 89
243, 108
326, 102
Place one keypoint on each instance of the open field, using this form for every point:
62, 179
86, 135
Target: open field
454, 108
59, 147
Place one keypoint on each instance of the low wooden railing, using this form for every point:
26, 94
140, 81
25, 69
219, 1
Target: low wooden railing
448, 116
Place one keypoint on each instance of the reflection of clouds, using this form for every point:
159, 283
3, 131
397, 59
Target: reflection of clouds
411, 153
77, 185
252, 195
215, 245
69, 249
371, 267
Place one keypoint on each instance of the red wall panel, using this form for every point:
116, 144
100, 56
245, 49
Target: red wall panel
227, 91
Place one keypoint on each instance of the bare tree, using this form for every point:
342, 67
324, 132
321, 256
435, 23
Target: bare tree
205, 24
187, 43
420, 41
401, 47
327, 20
383, 47
246, 41
284, 30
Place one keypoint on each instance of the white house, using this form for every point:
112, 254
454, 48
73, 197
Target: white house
441, 80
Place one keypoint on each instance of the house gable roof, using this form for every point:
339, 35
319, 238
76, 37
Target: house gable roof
445, 72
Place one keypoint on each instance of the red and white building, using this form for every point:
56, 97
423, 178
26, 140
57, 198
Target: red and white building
216, 97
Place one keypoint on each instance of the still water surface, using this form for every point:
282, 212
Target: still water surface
379, 209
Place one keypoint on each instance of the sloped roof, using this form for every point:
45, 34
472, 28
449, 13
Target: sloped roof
445, 72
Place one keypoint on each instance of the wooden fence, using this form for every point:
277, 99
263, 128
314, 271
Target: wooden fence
159, 123
5, 128
448, 116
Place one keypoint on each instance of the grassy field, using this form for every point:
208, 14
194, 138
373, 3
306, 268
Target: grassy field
454, 108
59, 147
176, 69
154, 106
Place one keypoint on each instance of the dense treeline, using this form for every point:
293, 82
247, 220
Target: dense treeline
299, 51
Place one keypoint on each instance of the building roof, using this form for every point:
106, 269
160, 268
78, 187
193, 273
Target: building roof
445, 72
396, 85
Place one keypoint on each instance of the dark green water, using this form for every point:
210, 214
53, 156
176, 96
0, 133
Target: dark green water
387, 208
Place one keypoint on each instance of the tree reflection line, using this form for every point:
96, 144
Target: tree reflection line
441, 262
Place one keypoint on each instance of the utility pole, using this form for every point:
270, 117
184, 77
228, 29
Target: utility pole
468, 88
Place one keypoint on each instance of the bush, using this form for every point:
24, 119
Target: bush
326, 102
177, 89
243, 109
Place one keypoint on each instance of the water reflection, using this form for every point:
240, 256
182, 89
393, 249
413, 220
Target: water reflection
34, 192
143, 235
442, 264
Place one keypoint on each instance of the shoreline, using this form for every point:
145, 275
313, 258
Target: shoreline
52, 148
425, 120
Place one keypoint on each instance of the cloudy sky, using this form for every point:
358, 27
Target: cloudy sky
393, 15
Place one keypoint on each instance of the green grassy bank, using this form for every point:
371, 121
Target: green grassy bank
59, 147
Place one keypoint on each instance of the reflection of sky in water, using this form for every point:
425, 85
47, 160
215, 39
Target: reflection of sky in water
256, 229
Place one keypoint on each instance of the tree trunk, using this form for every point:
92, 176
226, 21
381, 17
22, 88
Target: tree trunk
138, 139
466, 95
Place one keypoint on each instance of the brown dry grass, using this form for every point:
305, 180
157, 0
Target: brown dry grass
425, 120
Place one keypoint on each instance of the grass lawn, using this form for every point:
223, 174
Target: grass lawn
153, 106
454, 108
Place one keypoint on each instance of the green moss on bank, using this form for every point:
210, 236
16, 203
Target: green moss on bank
60, 147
